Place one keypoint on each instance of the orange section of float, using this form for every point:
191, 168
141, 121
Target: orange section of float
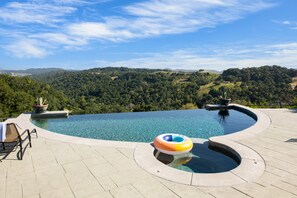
172, 144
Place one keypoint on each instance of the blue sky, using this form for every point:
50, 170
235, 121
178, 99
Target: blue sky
176, 34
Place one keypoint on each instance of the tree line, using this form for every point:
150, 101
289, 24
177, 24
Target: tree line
104, 90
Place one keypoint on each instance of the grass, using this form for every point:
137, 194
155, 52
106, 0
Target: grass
189, 106
206, 88
294, 82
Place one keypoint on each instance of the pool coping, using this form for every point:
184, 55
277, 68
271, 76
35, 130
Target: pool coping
251, 167
25, 121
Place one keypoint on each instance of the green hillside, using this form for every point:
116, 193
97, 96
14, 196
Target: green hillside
123, 89
17, 95
103, 90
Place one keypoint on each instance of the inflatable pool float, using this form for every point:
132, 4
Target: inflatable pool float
173, 144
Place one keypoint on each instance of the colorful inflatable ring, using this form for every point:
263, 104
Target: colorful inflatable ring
173, 144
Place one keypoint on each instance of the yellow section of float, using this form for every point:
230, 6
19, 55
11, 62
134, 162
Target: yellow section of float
173, 144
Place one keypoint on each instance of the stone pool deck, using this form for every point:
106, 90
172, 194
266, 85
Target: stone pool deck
53, 167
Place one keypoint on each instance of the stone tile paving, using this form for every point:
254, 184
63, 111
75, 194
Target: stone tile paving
57, 169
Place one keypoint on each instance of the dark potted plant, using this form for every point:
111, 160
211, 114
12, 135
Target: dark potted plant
40, 105
224, 100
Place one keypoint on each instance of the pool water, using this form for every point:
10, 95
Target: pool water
201, 159
145, 126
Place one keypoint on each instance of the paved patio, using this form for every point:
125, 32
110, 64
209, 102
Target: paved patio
53, 168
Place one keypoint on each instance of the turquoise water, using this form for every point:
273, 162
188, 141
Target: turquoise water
201, 159
145, 126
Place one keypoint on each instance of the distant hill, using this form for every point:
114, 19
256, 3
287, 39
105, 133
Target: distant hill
105, 90
31, 71
125, 89
200, 70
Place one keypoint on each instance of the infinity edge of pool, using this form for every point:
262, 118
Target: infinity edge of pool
251, 167
145, 126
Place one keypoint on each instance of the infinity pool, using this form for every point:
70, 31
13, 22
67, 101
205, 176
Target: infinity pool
145, 126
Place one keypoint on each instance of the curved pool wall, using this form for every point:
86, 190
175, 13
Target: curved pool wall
251, 164
145, 126
202, 159
251, 167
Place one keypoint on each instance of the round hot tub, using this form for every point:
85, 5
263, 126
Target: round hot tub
202, 159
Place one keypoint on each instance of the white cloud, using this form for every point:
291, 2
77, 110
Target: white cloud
291, 24
155, 18
77, 1
59, 39
98, 30
286, 22
285, 52
32, 12
26, 48
54, 27
165, 8
222, 58
285, 46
